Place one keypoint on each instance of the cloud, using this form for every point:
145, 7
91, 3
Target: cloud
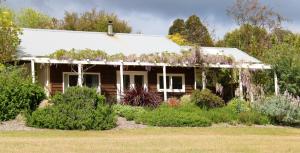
155, 16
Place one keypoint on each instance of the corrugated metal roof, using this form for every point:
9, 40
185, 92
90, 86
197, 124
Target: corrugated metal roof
43, 42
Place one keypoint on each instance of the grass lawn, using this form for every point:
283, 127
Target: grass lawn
155, 140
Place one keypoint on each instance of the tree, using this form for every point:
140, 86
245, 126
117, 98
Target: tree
191, 32
251, 39
94, 21
9, 39
177, 27
196, 32
254, 13
30, 18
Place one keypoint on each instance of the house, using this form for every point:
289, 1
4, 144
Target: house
111, 78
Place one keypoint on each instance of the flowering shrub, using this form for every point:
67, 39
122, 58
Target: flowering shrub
206, 99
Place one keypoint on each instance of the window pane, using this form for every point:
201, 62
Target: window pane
177, 82
138, 81
73, 80
126, 82
161, 82
91, 80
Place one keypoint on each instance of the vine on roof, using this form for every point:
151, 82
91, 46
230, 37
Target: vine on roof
191, 57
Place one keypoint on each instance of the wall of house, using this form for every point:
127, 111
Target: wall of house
109, 80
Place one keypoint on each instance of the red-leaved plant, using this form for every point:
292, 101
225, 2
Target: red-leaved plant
173, 102
141, 97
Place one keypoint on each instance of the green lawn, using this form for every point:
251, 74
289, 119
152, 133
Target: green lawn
155, 140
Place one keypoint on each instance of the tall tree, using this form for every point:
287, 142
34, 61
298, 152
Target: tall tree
251, 39
9, 37
196, 32
94, 21
30, 18
254, 13
177, 27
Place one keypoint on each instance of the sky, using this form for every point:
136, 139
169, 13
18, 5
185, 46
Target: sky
155, 16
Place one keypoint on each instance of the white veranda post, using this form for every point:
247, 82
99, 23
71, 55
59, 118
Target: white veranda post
121, 78
32, 71
165, 82
240, 84
203, 80
276, 84
79, 75
195, 78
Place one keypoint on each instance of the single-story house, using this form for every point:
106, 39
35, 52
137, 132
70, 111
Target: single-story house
111, 78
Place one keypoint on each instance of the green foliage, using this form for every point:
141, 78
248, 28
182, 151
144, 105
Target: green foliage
192, 31
94, 21
129, 112
30, 18
9, 36
251, 39
284, 57
253, 117
239, 105
178, 27
172, 117
196, 32
17, 93
206, 99
280, 109
78, 108
185, 99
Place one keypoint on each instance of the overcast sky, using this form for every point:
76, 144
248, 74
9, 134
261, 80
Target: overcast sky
155, 16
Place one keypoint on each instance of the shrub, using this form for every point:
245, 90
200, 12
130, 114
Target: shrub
127, 111
173, 102
206, 99
18, 93
239, 105
253, 117
78, 108
172, 117
280, 109
185, 99
141, 97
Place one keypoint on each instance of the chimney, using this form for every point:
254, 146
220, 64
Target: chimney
110, 31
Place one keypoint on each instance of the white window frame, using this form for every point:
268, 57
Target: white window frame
131, 78
170, 75
75, 73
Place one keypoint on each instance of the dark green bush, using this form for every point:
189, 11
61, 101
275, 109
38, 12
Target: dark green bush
17, 93
78, 108
206, 99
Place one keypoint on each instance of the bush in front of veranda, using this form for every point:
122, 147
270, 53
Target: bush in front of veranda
79, 108
127, 111
281, 109
17, 92
206, 99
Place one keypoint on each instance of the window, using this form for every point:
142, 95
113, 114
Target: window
175, 82
138, 81
126, 81
91, 80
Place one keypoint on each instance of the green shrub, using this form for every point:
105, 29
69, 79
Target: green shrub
280, 109
252, 117
239, 105
172, 117
127, 111
206, 99
17, 93
185, 99
78, 108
